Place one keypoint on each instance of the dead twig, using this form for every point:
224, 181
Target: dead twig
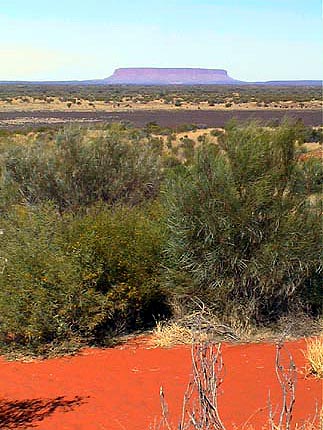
200, 402
287, 378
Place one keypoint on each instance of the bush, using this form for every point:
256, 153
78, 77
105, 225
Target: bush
243, 237
79, 167
312, 175
77, 277
126, 244
314, 135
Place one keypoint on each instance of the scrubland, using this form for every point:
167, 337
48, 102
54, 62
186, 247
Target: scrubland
106, 230
210, 235
109, 98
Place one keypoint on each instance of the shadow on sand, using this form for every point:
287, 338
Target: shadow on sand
18, 414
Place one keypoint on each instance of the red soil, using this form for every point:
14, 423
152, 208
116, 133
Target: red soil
117, 389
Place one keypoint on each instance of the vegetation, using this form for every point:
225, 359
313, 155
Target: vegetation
314, 356
68, 278
105, 230
176, 95
245, 237
75, 169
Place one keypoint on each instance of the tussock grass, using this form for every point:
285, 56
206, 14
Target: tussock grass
314, 356
198, 326
173, 333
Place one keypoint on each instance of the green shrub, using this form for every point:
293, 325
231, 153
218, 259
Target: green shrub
79, 167
242, 236
311, 175
77, 277
126, 244
187, 146
314, 135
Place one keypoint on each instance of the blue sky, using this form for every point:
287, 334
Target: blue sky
70, 39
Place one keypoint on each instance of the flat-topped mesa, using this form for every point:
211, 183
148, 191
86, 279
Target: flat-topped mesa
169, 76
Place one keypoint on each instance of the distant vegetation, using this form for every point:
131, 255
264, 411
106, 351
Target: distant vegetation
104, 230
211, 94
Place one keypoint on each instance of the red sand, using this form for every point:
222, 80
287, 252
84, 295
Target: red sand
118, 389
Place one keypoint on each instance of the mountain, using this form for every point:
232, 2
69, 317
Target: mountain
169, 76
292, 83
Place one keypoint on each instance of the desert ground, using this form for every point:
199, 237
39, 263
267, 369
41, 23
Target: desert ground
165, 118
29, 104
32, 105
118, 389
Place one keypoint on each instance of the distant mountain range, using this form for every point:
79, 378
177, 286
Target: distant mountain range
169, 76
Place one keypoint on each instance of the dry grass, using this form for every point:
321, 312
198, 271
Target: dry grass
196, 327
173, 333
202, 324
314, 356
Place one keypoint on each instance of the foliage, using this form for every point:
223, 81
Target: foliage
242, 236
77, 168
85, 251
77, 277
311, 172
314, 135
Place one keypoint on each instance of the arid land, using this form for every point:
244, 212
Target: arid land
25, 106
165, 118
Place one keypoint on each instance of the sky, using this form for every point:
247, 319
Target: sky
255, 40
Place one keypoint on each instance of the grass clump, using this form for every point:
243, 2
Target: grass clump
314, 356
166, 335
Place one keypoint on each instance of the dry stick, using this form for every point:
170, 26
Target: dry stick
200, 413
207, 374
271, 413
206, 381
207, 378
252, 416
203, 321
164, 408
187, 396
316, 415
290, 379
287, 379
